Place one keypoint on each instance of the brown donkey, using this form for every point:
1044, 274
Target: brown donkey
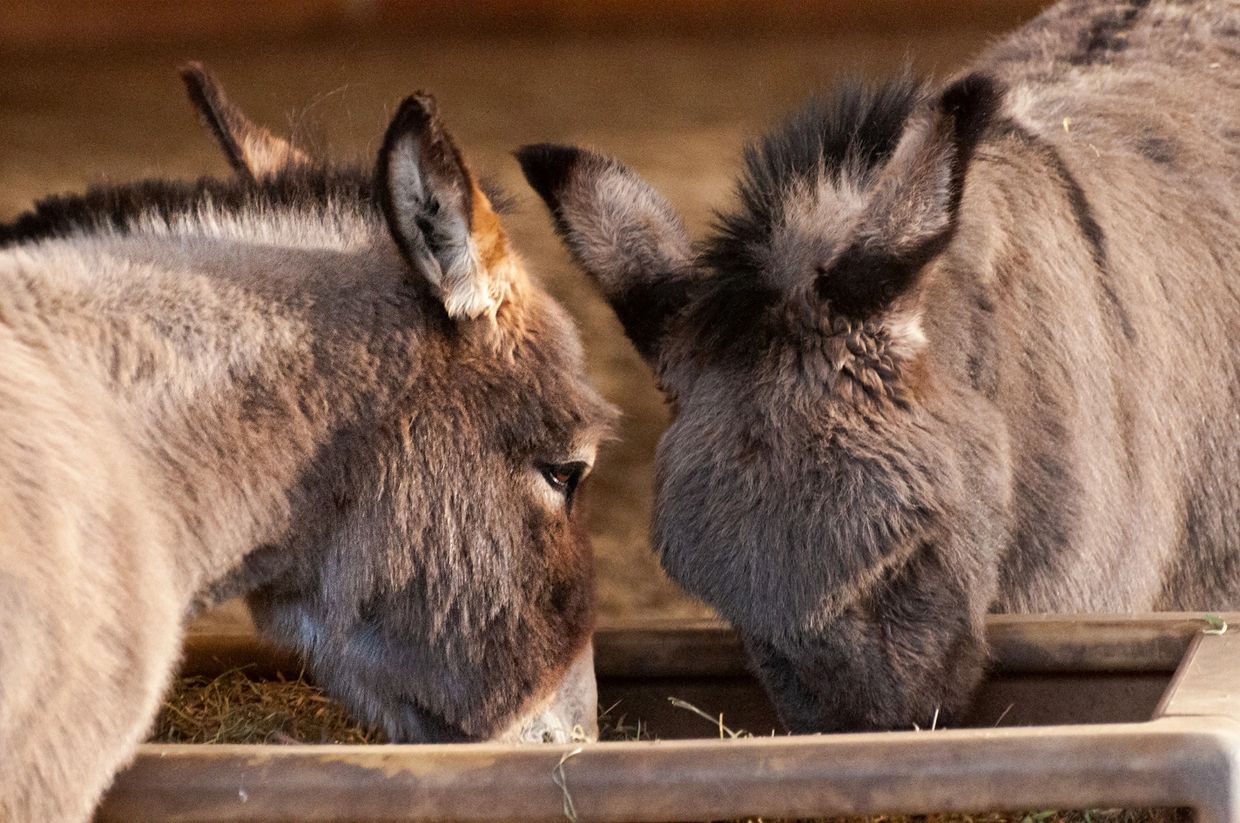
333, 391
955, 351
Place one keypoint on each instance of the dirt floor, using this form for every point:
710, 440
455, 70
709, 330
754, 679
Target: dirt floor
676, 109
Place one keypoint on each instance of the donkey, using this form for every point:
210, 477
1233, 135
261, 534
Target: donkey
958, 349
335, 392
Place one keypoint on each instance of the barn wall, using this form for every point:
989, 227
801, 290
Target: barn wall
50, 24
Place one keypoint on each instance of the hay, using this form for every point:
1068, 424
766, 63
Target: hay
233, 708
615, 727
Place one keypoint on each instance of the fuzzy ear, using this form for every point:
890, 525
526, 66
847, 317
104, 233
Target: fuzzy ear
911, 210
625, 235
252, 151
441, 220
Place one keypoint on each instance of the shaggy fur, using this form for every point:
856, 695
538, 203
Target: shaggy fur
955, 351
245, 387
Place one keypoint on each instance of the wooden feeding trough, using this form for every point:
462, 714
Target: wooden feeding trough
1129, 712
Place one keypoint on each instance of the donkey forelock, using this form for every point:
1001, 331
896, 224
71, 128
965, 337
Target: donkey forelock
825, 154
849, 199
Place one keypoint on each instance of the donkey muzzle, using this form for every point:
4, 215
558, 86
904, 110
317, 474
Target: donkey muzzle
568, 715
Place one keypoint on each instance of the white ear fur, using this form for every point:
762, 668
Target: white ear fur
907, 338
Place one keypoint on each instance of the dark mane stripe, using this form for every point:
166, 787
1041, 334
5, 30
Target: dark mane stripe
1083, 215
1107, 34
118, 208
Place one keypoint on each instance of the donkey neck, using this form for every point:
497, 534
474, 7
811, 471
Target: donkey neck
230, 363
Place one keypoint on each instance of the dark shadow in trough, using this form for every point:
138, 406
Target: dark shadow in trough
1004, 700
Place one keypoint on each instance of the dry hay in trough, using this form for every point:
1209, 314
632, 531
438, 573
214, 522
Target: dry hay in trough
233, 708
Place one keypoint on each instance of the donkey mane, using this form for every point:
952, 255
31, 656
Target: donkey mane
120, 208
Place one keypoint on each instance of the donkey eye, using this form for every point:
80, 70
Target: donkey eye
564, 477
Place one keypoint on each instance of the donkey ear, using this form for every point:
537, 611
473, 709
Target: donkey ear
440, 219
911, 211
625, 235
252, 151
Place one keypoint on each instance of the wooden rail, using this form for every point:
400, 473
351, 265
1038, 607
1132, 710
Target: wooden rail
642, 649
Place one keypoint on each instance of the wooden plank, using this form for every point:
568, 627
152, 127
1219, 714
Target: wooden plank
1208, 682
668, 649
1095, 643
1019, 644
1206, 690
210, 655
1173, 761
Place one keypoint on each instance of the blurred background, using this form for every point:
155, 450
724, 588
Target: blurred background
89, 93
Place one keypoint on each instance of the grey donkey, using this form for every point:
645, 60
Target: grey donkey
956, 350
335, 391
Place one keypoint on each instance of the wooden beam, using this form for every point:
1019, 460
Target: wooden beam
1018, 643
1171, 762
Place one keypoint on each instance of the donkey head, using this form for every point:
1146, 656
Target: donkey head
437, 575
825, 484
